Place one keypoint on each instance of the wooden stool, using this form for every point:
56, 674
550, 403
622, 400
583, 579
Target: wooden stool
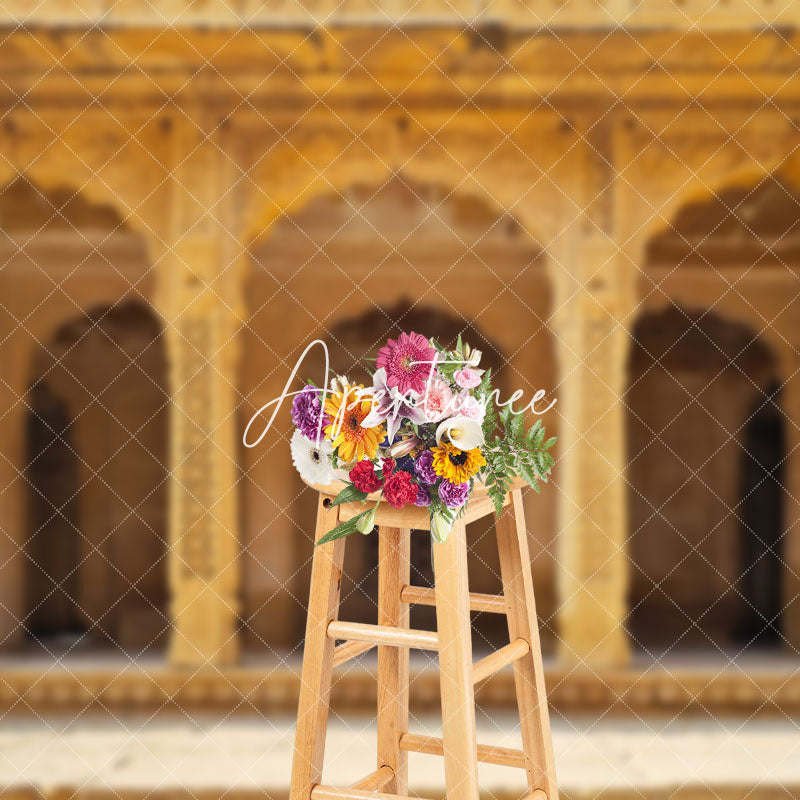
453, 641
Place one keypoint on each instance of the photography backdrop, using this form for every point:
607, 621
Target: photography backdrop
601, 196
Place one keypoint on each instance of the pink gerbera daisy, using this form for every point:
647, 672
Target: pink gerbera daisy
408, 362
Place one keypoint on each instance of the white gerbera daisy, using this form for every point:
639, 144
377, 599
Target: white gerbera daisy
312, 462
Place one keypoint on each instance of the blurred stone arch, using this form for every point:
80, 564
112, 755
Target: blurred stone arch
417, 255
710, 395
84, 369
361, 336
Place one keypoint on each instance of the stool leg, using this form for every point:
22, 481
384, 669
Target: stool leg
515, 568
315, 687
455, 665
394, 572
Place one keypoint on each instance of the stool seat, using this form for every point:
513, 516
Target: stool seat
479, 505
452, 640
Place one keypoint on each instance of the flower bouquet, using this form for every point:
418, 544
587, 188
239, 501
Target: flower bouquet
423, 434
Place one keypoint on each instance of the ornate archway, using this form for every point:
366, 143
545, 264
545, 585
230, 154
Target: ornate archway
712, 362
353, 270
73, 274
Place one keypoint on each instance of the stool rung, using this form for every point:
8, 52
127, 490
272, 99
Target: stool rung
344, 652
383, 634
375, 781
422, 596
487, 666
320, 792
488, 753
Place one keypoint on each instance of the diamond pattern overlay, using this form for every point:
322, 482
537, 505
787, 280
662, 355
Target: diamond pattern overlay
601, 196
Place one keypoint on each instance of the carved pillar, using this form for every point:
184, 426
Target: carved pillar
790, 404
198, 293
594, 292
594, 566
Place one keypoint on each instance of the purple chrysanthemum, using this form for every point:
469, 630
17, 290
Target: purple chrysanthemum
423, 466
453, 495
307, 410
423, 497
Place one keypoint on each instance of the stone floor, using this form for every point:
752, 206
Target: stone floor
235, 755
716, 685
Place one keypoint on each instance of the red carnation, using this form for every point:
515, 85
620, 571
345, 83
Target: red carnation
388, 467
399, 490
364, 478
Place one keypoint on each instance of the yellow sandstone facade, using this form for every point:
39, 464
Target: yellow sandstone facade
193, 192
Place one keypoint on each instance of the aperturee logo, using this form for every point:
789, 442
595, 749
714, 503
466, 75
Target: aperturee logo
427, 431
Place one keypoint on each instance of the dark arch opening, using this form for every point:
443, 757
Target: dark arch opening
97, 472
696, 472
361, 336
52, 543
760, 531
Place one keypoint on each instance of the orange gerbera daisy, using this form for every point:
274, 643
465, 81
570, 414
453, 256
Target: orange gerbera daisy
347, 410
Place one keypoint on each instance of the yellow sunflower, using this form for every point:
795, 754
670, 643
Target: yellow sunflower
345, 431
457, 466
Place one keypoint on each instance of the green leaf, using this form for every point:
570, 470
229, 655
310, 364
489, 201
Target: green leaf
536, 434
489, 422
344, 528
528, 472
498, 495
516, 426
348, 495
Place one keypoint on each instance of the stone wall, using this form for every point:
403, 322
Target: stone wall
259, 189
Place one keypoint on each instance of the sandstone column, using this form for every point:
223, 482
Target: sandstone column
593, 564
595, 288
198, 295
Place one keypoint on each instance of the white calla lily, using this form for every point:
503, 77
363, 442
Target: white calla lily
463, 432
440, 528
